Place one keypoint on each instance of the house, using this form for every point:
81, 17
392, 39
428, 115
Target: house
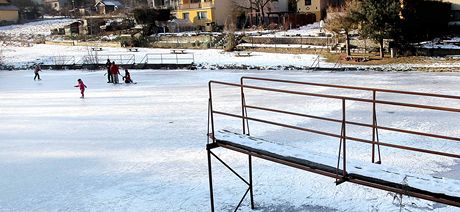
164, 4
221, 12
272, 12
316, 7
200, 12
108, 6
76, 28
8, 13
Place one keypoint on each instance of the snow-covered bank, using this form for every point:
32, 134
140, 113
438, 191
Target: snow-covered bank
25, 57
142, 147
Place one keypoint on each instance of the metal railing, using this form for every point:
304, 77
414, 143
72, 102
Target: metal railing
315, 64
122, 59
341, 175
374, 126
164, 58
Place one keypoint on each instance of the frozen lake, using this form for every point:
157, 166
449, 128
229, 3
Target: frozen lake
142, 147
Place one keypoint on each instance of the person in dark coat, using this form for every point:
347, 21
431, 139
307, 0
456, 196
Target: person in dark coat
109, 73
36, 70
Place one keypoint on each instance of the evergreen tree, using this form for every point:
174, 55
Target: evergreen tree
417, 16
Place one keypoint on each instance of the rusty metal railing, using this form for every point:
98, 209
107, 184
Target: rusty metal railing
342, 136
374, 101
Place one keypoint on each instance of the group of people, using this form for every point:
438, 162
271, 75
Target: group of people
112, 76
113, 71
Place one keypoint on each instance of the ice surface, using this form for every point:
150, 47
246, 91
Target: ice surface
142, 147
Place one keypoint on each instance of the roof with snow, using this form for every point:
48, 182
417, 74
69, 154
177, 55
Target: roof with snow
110, 3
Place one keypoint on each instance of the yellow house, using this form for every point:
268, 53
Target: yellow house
8, 12
316, 7
200, 12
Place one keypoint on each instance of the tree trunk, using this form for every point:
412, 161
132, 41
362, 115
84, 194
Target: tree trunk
347, 43
381, 48
250, 16
262, 12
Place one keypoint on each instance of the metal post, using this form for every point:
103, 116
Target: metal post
211, 111
242, 107
344, 140
373, 126
250, 182
211, 192
161, 58
177, 62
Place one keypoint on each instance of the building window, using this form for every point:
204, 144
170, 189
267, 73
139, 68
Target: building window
202, 15
456, 15
307, 2
186, 16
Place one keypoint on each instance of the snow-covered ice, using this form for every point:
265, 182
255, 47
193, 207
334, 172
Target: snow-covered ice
142, 147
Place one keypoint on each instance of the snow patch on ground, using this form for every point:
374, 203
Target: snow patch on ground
42, 27
310, 30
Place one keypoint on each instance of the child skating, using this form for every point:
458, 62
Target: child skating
82, 87
127, 77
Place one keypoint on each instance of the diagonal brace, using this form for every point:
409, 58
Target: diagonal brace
230, 168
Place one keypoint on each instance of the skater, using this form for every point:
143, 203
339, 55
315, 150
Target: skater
82, 87
127, 77
109, 73
115, 72
36, 70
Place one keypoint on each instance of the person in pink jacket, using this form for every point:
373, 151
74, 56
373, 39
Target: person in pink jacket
82, 87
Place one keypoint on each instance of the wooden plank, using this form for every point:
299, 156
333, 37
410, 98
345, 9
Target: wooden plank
241, 143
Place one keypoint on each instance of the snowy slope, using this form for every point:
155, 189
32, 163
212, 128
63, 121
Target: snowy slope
42, 27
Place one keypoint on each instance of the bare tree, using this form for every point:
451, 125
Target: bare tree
340, 21
252, 6
261, 5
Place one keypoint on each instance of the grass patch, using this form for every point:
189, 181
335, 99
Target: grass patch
374, 59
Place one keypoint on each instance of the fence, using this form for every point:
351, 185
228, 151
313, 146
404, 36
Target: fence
346, 121
160, 58
124, 59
